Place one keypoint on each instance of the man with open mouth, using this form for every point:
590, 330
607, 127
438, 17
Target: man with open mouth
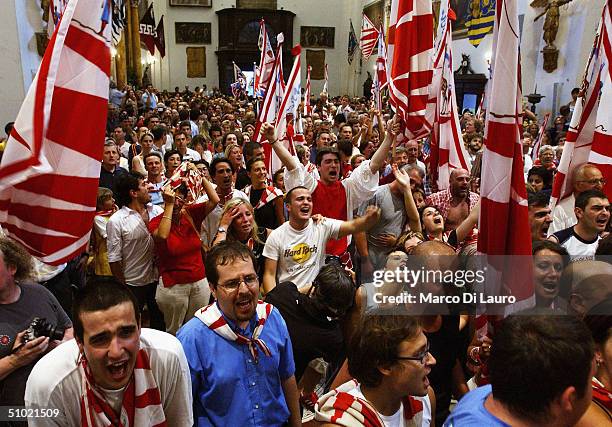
593, 212
115, 372
239, 350
332, 197
389, 359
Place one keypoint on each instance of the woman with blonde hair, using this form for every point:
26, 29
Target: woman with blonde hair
238, 223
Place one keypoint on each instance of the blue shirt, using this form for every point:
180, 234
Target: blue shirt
470, 411
229, 388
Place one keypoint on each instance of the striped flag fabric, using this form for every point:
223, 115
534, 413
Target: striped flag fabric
51, 165
481, 108
266, 61
448, 151
307, 93
504, 225
56, 10
410, 45
160, 38
369, 37
538, 143
273, 97
481, 21
288, 106
589, 138
326, 81
352, 44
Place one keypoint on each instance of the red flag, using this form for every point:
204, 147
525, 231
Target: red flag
447, 149
147, 30
160, 38
504, 225
51, 165
369, 36
410, 46
589, 138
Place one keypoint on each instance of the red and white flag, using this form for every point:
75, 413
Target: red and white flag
274, 94
266, 61
410, 45
447, 149
538, 143
51, 165
325, 83
504, 226
369, 36
307, 93
589, 138
288, 107
381, 61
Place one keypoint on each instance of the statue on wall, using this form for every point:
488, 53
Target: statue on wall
466, 66
551, 26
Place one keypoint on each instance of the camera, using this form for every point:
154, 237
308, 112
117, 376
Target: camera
39, 327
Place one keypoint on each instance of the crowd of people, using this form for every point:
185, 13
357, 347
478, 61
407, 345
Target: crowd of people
216, 291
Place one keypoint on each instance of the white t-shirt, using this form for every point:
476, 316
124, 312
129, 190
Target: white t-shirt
55, 382
397, 419
300, 253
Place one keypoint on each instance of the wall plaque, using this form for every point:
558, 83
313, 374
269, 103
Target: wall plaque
196, 61
192, 32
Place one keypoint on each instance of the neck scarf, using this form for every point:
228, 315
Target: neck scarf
141, 399
212, 317
342, 408
601, 394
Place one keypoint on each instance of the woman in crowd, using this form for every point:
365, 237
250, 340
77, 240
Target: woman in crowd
278, 179
172, 160
146, 146
238, 223
267, 200
199, 144
540, 179
546, 157
549, 260
432, 224
183, 287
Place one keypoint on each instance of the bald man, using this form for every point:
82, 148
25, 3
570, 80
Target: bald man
589, 282
456, 202
585, 177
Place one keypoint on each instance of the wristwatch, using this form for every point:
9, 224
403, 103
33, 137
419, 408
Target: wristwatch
222, 230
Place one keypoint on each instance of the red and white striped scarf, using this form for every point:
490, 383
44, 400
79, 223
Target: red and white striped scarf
212, 317
601, 394
270, 193
141, 399
342, 408
192, 178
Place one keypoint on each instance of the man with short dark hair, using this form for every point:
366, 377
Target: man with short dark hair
539, 215
389, 359
295, 250
239, 350
585, 177
155, 178
130, 245
540, 371
110, 171
593, 213
115, 372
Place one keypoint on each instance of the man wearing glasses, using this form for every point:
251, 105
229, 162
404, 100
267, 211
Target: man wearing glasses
585, 177
239, 350
389, 359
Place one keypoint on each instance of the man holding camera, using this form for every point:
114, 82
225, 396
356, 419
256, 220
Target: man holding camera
20, 303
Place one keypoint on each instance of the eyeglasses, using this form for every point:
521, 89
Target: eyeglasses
232, 285
595, 181
421, 357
